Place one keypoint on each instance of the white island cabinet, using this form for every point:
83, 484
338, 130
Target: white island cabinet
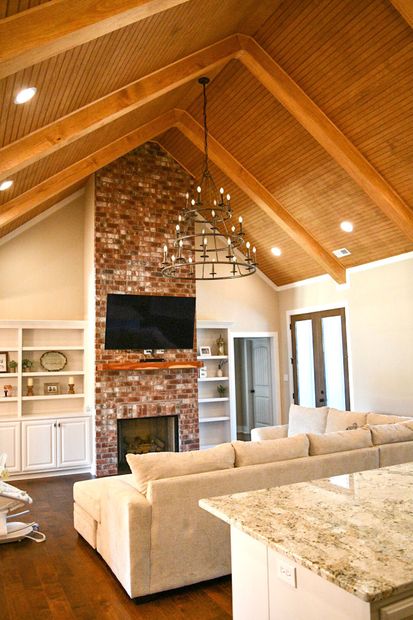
333, 549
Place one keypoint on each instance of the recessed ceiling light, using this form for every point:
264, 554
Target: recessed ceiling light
276, 251
5, 185
346, 226
25, 95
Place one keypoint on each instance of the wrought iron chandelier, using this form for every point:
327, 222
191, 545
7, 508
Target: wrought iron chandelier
206, 245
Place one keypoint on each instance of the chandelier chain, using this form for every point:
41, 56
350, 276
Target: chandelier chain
205, 130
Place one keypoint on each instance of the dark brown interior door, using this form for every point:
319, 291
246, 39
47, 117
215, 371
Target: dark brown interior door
320, 361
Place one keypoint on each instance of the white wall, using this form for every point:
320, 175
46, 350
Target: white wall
250, 303
379, 307
41, 268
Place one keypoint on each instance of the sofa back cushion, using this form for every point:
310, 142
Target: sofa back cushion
157, 465
391, 433
306, 420
270, 450
381, 418
339, 441
338, 420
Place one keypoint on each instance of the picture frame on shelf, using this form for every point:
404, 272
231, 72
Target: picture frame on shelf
4, 361
51, 389
205, 351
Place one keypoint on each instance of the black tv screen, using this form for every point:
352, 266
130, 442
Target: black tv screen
149, 322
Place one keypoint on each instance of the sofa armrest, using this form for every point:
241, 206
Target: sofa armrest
124, 535
269, 432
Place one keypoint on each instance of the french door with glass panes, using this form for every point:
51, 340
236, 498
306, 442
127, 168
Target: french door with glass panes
320, 363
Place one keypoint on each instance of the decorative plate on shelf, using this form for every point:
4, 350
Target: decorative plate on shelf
53, 361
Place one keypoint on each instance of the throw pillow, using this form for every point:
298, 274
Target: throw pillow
306, 420
341, 420
381, 418
157, 465
339, 441
270, 450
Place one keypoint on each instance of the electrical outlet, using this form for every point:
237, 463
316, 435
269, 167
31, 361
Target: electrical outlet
159, 351
286, 572
147, 351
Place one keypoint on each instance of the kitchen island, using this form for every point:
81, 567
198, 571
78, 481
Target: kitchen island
334, 549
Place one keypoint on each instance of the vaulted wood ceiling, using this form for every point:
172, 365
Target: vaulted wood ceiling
310, 113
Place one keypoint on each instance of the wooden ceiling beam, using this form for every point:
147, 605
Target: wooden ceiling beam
405, 8
260, 195
51, 28
55, 185
46, 140
290, 95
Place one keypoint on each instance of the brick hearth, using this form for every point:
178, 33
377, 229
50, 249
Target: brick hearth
138, 198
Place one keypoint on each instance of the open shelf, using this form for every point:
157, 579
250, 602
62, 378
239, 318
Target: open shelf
218, 418
8, 399
8, 375
201, 380
217, 399
53, 347
212, 357
47, 373
49, 397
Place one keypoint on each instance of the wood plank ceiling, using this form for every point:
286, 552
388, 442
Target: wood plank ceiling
352, 59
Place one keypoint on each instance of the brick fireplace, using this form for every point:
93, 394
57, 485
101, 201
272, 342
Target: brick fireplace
138, 198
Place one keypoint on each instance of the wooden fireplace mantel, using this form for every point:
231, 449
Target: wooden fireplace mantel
150, 365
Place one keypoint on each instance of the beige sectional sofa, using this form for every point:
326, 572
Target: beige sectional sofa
149, 528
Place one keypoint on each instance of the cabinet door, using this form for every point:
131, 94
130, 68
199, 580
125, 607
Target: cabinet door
10, 444
73, 442
39, 445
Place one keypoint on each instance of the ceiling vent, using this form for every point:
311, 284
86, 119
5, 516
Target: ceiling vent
341, 252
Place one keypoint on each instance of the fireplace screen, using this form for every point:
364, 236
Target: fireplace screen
143, 435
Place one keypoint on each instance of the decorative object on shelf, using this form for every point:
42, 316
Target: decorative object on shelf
27, 365
4, 358
53, 361
7, 389
206, 245
51, 389
220, 370
71, 385
220, 345
30, 387
203, 372
12, 366
205, 351
221, 389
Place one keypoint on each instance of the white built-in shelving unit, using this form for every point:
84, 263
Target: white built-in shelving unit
44, 432
215, 424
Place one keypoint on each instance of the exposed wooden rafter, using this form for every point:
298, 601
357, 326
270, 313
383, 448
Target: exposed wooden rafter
260, 195
294, 99
78, 171
58, 25
44, 141
405, 8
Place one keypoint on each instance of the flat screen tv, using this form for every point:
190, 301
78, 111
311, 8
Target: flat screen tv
149, 322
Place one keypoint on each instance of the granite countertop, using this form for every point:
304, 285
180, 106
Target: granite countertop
354, 530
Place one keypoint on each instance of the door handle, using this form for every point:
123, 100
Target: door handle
322, 400
252, 391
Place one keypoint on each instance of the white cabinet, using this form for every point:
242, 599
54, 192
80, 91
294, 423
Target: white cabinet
73, 442
51, 444
10, 444
214, 396
39, 445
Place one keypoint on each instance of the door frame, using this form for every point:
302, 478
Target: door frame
320, 308
275, 374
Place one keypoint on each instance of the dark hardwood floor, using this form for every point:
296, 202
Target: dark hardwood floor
65, 578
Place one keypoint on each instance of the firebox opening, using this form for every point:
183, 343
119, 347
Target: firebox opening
143, 435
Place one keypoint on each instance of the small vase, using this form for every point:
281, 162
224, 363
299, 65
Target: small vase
219, 372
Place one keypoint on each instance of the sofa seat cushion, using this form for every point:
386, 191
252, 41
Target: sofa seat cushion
381, 418
339, 441
306, 420
158, 465
270, 450
341, 420
391, 433
87, 493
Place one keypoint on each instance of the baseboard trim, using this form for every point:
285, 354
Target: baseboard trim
29, 475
